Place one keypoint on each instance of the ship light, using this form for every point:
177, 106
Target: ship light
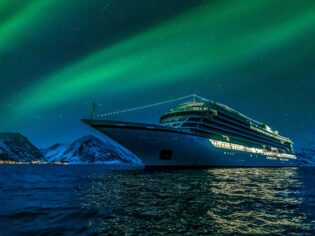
242, 148
268, 128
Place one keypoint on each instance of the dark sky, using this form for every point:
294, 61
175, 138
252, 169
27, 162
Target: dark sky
57, 57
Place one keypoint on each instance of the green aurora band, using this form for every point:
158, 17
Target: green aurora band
32, 15
207, 39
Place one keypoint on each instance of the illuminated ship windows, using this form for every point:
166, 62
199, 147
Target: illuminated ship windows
232, 146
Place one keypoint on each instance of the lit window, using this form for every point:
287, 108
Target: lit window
238, 147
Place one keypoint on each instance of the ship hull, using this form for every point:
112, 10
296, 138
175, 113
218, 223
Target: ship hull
165, 147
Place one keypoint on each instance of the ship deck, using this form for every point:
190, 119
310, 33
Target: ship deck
134, 125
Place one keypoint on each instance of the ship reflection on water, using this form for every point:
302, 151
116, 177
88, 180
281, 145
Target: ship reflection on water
141, 202
203, 201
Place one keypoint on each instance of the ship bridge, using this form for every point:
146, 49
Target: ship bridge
188, 111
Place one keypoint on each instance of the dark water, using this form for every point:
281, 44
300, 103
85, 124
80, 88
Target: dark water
90, 200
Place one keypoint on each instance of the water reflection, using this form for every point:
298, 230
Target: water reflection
94, 199
228, 201
256, 201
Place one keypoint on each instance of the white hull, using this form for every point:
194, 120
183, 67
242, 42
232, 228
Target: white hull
180, 149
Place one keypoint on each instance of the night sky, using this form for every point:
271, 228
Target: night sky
58, 56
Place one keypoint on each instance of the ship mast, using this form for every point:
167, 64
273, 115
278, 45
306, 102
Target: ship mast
194, 98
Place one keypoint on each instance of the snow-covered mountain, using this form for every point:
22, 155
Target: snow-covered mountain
54, 153
16, 147
307, 155
90, 150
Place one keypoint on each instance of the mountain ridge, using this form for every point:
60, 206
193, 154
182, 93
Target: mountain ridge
90, 150
16, 148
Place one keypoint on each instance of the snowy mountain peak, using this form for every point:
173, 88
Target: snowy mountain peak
307, 155
89, 149
16, 147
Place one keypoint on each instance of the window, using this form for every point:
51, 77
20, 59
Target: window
166, 154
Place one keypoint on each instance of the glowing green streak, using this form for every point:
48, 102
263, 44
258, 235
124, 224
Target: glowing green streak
5, 4
126, 57
179, 47
168, 32
33, 14
235, 53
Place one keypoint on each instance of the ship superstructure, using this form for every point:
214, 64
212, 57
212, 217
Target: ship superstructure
202, 133
228, 129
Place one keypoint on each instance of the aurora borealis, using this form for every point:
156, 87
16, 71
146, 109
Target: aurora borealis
56, 57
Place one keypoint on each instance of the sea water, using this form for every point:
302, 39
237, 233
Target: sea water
113, 200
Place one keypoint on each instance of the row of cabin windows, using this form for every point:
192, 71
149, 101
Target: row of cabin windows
184, 113
233, 115
231, 133
271, 138
185, 124
243, 126
247, 132
266, 139
253, 136
174, 119
242, 122
257, 139
241, 142
234, 140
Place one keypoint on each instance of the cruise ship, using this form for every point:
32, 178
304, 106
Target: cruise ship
199, 133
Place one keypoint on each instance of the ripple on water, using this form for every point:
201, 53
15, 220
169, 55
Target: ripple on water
89, 200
